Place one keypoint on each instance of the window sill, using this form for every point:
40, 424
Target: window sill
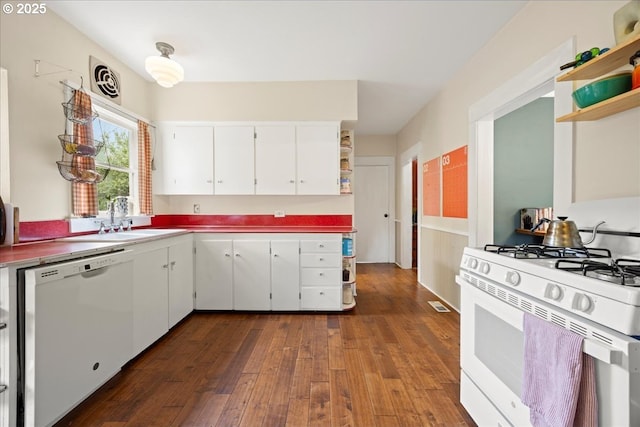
79, 225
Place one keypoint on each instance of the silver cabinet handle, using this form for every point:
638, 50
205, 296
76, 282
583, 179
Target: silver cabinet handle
321, 259
3, 387
275, 255
291, 181
3, 326
320, 274
237, 254
165, 266
321, 293
219, 181
227, 254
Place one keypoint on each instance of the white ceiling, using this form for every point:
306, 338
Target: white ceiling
401, 52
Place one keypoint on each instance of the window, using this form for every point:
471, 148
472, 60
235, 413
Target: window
120, 155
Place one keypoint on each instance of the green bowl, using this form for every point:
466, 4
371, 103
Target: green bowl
602, 89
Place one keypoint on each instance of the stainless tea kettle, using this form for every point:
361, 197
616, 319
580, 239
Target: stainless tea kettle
563, 233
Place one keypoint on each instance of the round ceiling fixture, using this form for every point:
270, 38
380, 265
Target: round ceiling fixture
163, 69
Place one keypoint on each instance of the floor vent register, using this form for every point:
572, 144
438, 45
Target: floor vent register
439, 307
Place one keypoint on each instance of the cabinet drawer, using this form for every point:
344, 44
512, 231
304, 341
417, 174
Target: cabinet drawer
320, 260
321, 298
321, 246
320, 277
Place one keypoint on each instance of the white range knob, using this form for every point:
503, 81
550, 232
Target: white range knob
513, 278
582, 302
553, 291
485, 267
472, 263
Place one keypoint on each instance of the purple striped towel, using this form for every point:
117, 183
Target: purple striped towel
559, 381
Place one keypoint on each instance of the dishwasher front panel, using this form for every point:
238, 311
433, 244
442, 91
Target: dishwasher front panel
78, 332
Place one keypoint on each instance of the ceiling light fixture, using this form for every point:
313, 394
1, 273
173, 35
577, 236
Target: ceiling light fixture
163, 69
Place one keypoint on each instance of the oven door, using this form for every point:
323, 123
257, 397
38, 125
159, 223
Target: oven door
491, 353
491, 346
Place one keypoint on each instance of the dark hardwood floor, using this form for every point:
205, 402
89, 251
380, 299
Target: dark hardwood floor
392, 361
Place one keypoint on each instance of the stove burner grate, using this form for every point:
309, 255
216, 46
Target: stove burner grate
624, 272
543, 251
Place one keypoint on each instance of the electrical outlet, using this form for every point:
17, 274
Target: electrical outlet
279, 214
196, 208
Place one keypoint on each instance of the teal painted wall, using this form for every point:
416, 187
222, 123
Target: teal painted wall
523, 167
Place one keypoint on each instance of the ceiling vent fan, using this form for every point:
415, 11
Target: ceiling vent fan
104, 80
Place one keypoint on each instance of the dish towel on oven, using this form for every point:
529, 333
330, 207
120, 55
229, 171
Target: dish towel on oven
559, 380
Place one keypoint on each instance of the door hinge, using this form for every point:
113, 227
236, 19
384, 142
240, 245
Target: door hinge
270, 295
255, 135
299, 295
194, 250
255, 181
194, 295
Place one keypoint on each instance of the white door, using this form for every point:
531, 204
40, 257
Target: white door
214, 274
275, 160
372, 216
318, 159
251, 275
234, 160
192, 146
180, 280
285, 275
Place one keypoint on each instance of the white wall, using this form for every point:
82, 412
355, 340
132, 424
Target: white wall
36, 116
442, 125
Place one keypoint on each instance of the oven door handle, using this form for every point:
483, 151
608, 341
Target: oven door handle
601, 352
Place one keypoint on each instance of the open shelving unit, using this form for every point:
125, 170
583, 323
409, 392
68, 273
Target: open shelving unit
609, 61
349, 291
346, 161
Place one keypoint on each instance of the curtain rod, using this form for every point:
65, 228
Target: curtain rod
109, 105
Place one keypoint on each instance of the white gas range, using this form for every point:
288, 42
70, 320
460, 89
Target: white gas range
570, 288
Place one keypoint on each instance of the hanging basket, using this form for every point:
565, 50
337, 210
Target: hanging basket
78, 113
71, 145
72, 171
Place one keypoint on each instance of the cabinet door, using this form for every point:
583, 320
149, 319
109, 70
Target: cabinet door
150, 298
214, 274
251, 275
234, 160
180, 280
285, 275
188, 160
318, 159
275, 160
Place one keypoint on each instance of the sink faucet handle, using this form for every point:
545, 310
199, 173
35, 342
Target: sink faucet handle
101, 230
121, 226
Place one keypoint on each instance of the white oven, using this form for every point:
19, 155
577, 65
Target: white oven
494, 297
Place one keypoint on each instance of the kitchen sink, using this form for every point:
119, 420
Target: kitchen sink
124, 236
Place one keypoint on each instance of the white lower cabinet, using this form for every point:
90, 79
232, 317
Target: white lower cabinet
162, 288
285, 275
251, 272
320, 272
214, 272
268, 271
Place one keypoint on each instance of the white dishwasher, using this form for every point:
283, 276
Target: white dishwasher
76, 332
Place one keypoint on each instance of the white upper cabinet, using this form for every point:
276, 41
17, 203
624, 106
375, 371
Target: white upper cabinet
318, 159
275, 159
267, 158
186, 160
234, 160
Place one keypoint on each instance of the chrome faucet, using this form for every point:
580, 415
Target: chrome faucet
112, 211
101, 230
